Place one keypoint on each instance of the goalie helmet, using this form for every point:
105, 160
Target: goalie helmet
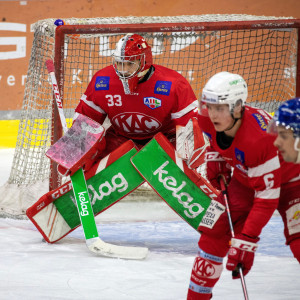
224, 88
132, 59
288, 116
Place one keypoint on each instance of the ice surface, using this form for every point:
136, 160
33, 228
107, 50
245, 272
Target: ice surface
32, 269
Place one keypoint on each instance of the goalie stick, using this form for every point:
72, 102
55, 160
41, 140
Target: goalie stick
93, 242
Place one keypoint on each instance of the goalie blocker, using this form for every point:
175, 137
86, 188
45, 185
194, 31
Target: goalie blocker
79, 146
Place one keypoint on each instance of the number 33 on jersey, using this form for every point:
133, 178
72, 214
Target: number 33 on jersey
163, 101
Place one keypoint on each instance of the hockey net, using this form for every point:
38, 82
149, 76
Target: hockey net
264, 50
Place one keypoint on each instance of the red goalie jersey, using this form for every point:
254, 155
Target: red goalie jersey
164, 100
256, 164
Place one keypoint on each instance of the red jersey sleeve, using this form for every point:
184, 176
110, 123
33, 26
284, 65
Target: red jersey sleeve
87, 105
187, 103
264, 177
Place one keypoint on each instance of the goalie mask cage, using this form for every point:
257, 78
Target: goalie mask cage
264, 50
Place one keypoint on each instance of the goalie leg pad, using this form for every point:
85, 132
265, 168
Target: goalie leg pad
113, 142
55, 215
185, 191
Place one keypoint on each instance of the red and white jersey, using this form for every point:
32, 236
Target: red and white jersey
256, 164
163, 101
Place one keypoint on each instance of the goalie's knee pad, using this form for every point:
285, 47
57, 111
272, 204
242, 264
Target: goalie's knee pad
206, 272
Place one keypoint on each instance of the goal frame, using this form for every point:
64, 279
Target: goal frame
63, 31
265, 50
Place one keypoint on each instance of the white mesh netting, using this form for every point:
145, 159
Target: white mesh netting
266, 58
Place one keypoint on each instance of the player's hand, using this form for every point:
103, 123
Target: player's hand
216, 167
89, 160
241, 253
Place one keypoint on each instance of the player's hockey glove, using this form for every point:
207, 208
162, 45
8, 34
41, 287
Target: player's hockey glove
216, 166
241, 253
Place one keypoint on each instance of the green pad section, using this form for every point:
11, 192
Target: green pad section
105, 188
84, 205
171, 183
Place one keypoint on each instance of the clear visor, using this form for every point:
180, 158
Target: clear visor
272, 127
128, 66
203, 109
209, 109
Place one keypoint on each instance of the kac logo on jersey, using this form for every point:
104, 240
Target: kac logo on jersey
136, 124
163, 87
152, 102
240, 155
261, 122
102, 83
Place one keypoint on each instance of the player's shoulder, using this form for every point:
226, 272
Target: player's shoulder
106, 71
104, 79
257, 142
165, 72
256, 119
254, 127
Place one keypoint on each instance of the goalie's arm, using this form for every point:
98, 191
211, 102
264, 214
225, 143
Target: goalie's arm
89, 107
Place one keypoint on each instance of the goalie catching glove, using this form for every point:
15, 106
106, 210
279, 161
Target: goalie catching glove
241, 253
216, 166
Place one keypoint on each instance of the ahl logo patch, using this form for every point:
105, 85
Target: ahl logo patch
152, 102
163, 87
102, 83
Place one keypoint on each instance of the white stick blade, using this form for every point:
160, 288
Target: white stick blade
101, 248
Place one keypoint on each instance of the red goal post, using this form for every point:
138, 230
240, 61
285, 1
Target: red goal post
264, 50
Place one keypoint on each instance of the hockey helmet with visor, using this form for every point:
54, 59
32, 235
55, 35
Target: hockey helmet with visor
287, 116
132, 59
224, 88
